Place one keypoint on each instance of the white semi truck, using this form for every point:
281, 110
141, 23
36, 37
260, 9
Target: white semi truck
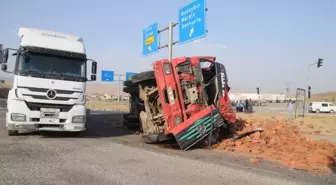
50, 76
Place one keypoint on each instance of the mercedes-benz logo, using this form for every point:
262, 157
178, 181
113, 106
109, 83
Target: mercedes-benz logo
201, 128
51, 94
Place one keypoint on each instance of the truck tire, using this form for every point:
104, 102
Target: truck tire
13, 132
143, 76
128, 83
130, 89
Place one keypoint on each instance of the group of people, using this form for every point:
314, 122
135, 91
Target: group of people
246, 106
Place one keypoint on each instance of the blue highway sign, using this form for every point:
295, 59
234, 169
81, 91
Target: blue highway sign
191, 21
129, 75
150, 39
107, 76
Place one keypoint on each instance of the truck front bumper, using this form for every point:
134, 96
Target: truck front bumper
37, 127
32, 120
191, 131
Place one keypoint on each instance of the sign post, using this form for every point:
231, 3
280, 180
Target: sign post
192, 26
150, 42
119, 84
129, 75
191, 20
107, 76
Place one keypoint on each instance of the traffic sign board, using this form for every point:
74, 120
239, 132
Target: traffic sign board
129, 75
191, 21
150, 39
107, 76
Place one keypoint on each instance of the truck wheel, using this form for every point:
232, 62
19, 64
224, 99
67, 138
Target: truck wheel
317, 111
143, 76
147, 137
13, 132
130, 89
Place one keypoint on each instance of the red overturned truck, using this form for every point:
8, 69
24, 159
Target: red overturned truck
185, 99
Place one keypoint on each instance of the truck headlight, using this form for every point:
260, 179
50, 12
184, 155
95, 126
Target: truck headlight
171, 96
81, 99
18, 94
18, 117
178, 120
78, 119
167, 69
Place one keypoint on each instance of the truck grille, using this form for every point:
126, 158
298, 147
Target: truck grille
45, 90
45, 98
37, 106
33, 89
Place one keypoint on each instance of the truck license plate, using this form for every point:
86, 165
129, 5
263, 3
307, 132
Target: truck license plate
49, 120
49, 110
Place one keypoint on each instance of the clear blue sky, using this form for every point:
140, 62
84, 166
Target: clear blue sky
264, 43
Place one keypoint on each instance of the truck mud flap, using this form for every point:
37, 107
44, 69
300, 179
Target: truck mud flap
197, 128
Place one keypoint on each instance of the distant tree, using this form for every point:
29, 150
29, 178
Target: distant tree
333, 99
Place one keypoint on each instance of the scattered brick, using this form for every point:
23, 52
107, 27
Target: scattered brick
282, 142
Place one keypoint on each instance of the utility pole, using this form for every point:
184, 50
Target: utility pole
191, 21
170, 44
258, 102
1, 53
288, 89
319, 64
119, 84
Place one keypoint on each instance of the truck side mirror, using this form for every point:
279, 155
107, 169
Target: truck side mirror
94, 67
93, 77
5, 56
1, 53
4, 67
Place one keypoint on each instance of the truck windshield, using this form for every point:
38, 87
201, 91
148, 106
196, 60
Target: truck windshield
51, 66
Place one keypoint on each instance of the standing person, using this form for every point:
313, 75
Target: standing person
290, 109
246, 105
237, 106
241, 106
250, 105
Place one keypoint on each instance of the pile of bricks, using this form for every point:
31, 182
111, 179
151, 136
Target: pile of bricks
280, 141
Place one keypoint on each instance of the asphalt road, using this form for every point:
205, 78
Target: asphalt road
107, 153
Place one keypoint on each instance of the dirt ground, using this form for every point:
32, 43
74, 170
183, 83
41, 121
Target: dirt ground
4, 89
319, 125
107, 105
281, 141
327, 96
322, 124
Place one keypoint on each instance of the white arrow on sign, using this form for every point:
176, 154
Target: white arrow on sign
191, 31
150, 49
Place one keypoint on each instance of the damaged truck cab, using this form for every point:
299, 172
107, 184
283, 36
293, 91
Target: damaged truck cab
187, 99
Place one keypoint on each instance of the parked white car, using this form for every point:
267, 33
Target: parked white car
322, 107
